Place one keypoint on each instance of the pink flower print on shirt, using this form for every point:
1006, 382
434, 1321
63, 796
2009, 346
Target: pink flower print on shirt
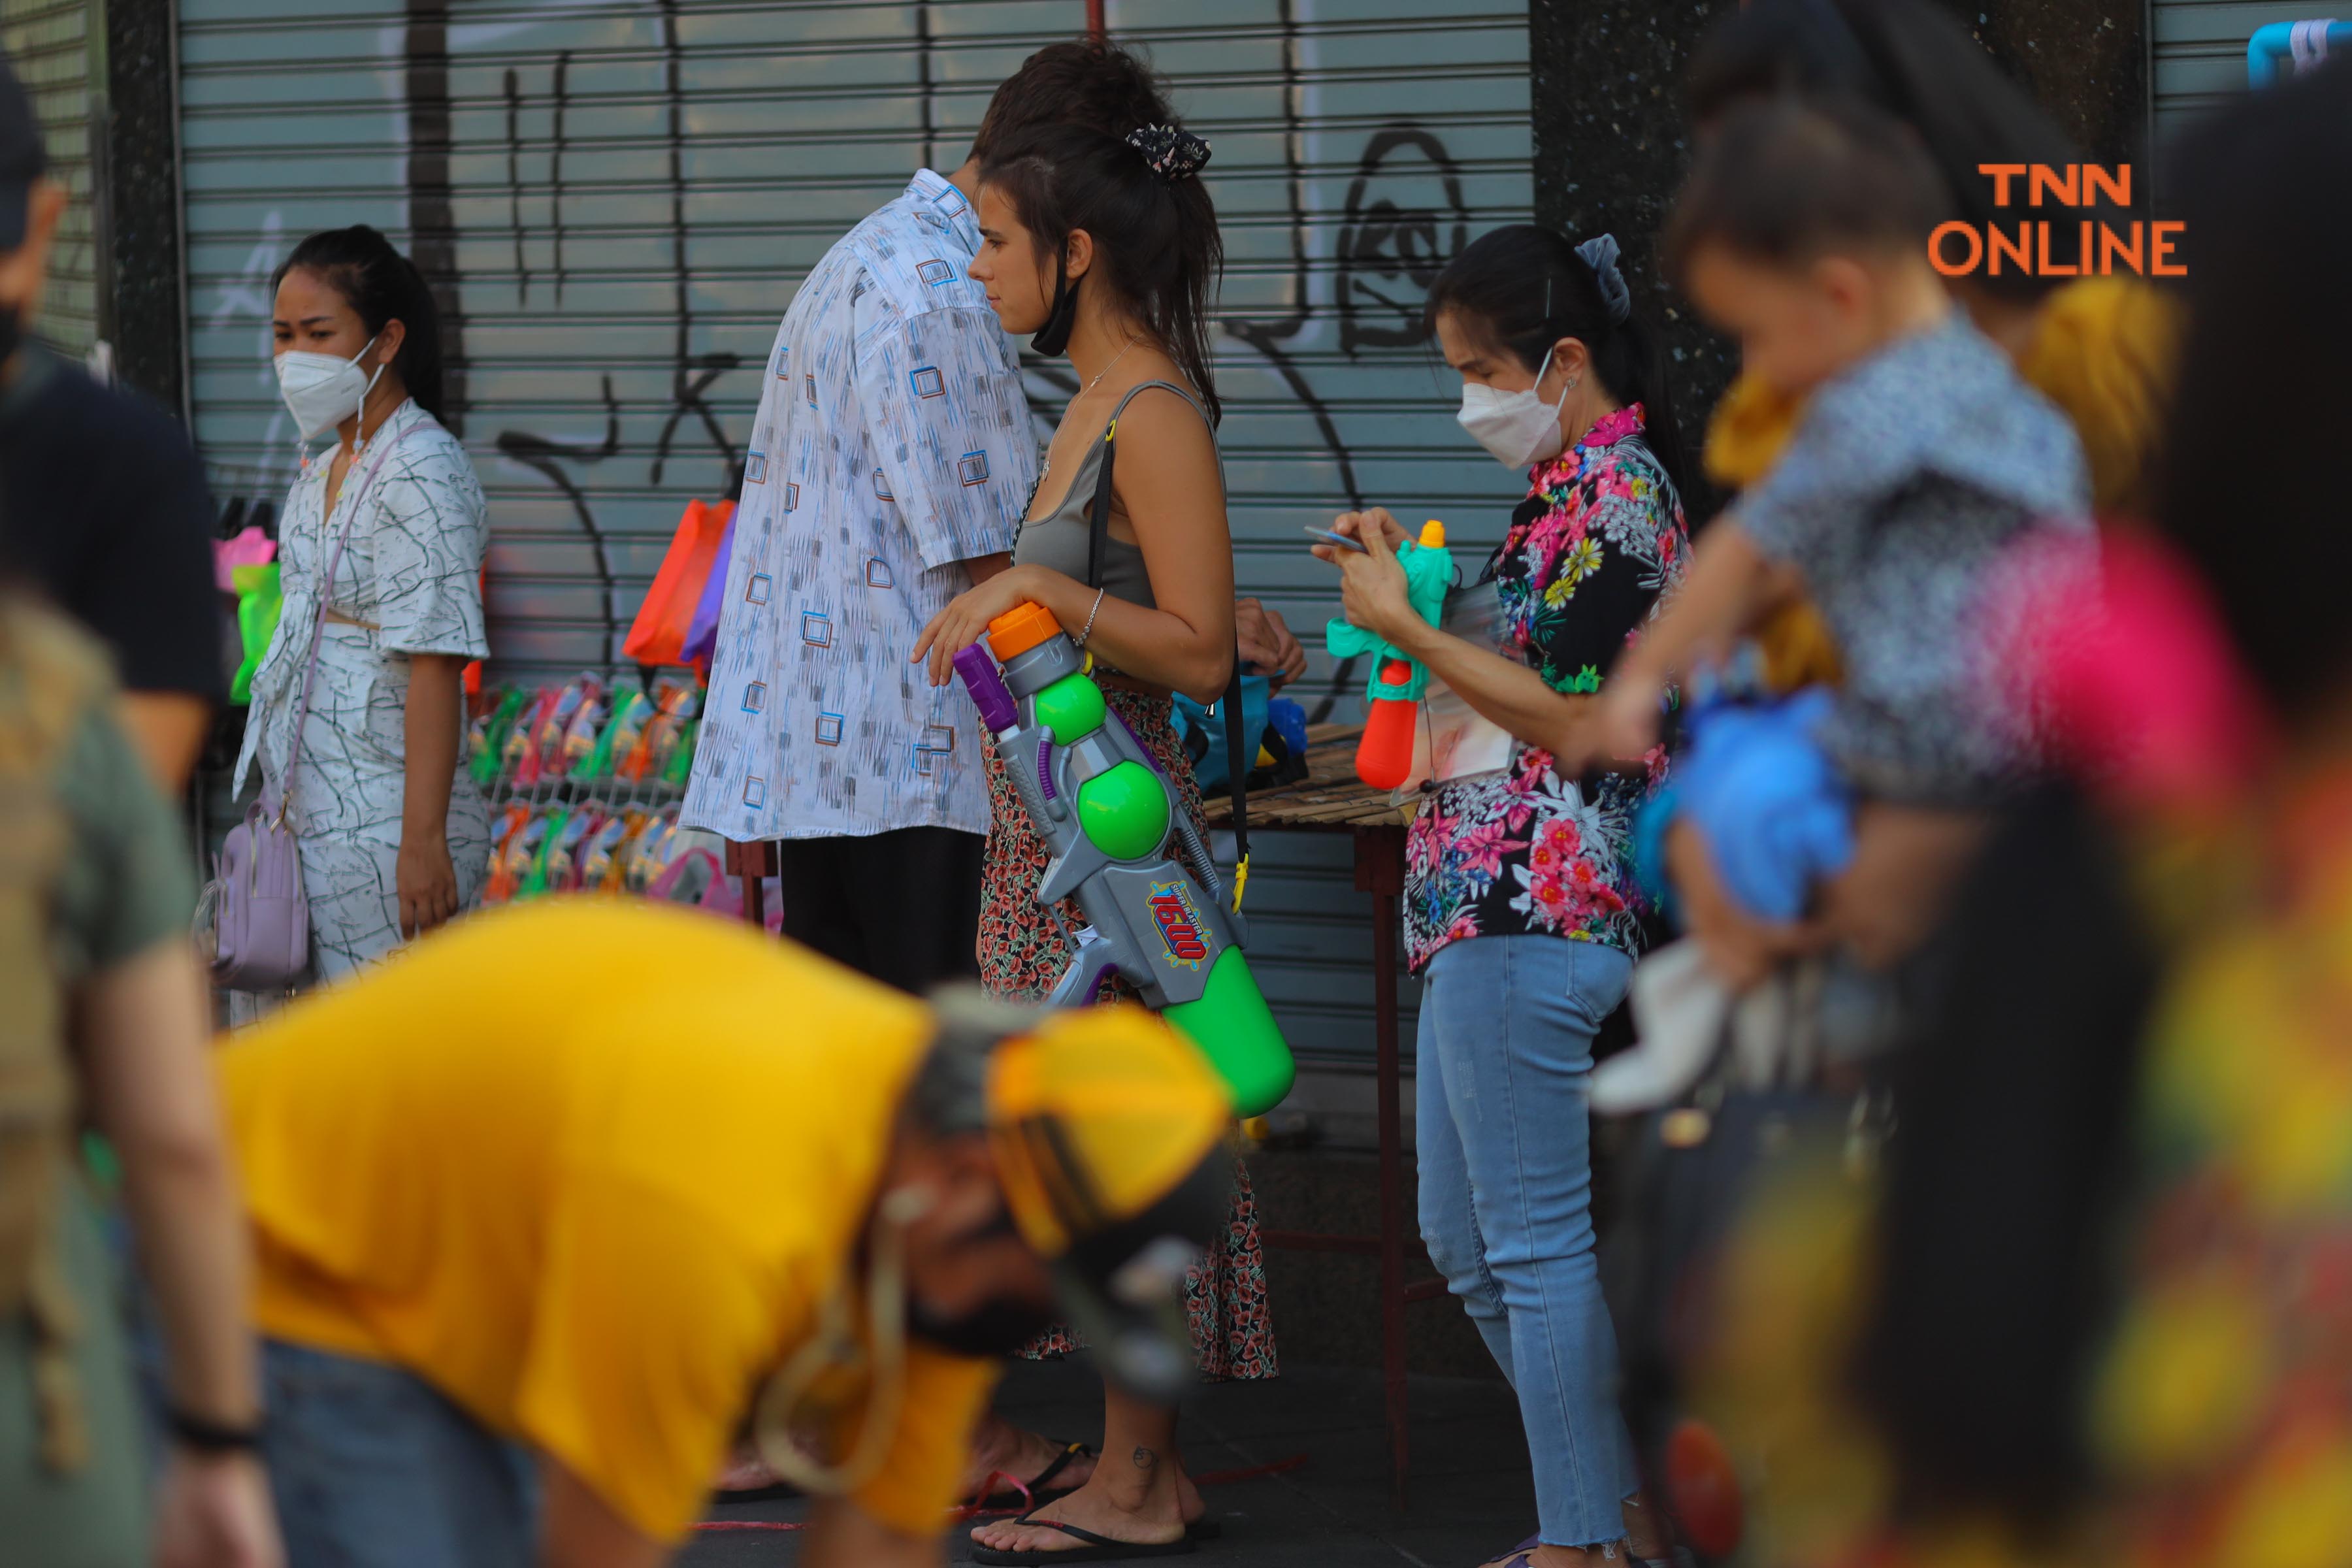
1561, 836
1425, 844
1598, 538
1479, 852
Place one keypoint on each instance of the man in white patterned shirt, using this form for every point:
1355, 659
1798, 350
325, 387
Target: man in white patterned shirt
888, 470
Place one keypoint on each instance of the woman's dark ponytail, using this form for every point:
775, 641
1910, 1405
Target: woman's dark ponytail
382, 285
1526, 288
1153, 224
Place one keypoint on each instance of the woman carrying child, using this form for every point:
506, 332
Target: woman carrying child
1921, 458
1105, 250
2101, 348
1522, 916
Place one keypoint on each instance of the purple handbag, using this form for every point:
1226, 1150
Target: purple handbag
261, 917
702, 632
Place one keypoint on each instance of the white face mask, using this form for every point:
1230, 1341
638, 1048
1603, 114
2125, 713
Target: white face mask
1518, 428
321, 391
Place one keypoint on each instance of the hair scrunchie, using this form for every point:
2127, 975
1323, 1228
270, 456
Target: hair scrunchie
1172, 152
1600, 253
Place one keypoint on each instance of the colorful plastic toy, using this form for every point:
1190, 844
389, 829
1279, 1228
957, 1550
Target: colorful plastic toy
1106, 814
250, 547
486, 739
258, 600
1384, 756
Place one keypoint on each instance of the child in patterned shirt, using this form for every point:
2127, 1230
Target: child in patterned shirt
1922, 457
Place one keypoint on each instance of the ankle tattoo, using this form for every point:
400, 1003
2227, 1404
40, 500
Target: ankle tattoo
1145, 1459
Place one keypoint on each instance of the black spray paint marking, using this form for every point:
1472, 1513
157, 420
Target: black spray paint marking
690, 373
514, 183
556, 165
548, 457
1270, 337
431, 210
1267, 337
926, 85
1391, 250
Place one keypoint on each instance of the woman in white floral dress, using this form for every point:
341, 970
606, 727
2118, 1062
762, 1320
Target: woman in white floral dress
394, 837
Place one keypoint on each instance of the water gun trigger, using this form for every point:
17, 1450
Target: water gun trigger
1398, 674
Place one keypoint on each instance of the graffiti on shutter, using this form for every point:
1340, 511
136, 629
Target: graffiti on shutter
614, 203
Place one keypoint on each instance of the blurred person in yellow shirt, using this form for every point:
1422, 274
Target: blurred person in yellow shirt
598, 1184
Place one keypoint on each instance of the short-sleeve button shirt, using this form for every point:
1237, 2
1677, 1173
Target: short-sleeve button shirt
893, 443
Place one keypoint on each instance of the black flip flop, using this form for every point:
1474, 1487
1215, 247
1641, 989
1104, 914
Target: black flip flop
1097, 1548
1035, 1491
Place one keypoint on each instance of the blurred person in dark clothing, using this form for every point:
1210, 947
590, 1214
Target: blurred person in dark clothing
102, 505
2100, 1315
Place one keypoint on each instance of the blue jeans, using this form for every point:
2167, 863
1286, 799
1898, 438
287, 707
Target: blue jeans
372, 1468
1506, 1053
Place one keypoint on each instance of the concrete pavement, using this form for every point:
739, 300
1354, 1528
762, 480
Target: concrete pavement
1471, 1494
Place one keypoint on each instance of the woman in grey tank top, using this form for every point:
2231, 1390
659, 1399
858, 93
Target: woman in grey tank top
1106, 250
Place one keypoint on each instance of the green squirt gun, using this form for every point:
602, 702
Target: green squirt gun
1106, 814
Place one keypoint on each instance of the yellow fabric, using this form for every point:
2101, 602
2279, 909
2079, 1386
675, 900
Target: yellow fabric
2102, 351
1134, 1109
1751, 423
590, 1168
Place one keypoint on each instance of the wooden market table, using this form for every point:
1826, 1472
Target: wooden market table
1330, 800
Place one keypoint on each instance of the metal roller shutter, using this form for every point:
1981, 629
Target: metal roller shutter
2199, 49
58, 50
630, 192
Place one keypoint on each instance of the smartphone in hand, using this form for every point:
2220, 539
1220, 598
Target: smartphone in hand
1329, 537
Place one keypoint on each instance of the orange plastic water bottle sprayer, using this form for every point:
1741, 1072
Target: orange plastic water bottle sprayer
1384, 755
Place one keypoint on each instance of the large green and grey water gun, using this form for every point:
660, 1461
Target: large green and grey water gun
1109, 817
1384, 756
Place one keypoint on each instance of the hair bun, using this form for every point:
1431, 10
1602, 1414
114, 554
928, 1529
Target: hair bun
1173, 152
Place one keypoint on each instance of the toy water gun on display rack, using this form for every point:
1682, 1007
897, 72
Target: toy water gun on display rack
259, 599
1384, 756
1106, 814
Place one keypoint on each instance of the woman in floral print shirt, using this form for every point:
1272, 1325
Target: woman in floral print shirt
1522, 915
1599, 537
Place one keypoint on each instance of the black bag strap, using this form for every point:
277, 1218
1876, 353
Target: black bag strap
1237, 766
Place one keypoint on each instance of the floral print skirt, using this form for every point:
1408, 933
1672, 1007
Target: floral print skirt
1023, 951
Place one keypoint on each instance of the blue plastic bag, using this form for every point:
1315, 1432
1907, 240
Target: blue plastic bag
1195, 725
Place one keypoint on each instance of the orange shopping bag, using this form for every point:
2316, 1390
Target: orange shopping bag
658, 634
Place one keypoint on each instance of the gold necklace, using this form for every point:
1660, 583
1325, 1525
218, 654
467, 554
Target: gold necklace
1106, 369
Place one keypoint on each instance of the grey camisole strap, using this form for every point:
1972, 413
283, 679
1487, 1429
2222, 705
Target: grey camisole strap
1059, 540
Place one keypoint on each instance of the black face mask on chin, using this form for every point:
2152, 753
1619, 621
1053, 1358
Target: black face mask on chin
993, 1329
1052, 338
